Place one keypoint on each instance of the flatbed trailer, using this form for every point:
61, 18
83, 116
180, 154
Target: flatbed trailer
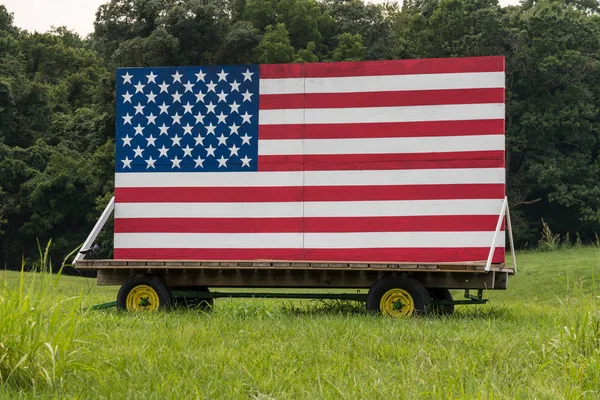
384, 180
394, 289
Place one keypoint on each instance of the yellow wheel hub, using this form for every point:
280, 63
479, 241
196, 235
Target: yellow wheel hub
142, 298
397, 303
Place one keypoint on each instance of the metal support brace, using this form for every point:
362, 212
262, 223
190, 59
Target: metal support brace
503, 212
97, 228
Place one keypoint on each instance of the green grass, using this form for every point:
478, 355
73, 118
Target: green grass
539, 339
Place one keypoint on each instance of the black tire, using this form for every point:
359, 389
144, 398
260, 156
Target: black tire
194, 302
441, 294
158, 290
404, 283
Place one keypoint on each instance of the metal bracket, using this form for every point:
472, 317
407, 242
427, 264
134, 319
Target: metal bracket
504, 211
96, 230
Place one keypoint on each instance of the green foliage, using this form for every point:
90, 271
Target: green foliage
349, 48
57, 94
275, 46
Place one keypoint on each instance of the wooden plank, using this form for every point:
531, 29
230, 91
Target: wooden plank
142, 264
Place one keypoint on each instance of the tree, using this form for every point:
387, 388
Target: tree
349, 48
275, 46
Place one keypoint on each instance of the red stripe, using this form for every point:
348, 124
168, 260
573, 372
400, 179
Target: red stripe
380, 130
308, 193
441, 223
389, 255
386, 67
335, 162
381, 99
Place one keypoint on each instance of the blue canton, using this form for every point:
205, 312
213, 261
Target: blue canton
187, 119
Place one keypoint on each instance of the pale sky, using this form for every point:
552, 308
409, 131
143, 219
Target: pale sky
77, 15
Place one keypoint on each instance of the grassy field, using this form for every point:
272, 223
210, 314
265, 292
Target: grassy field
539, 339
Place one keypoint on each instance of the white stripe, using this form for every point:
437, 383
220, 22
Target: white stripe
310, 240
393, 208
383, 83
382, 145
445, 112
310, 178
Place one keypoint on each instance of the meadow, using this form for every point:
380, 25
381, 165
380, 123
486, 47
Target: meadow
539, 339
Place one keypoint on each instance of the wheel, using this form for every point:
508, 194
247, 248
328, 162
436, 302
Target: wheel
144, 292
191, 301
398, 296
441, 294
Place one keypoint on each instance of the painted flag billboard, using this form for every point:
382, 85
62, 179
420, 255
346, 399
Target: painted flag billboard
374, 161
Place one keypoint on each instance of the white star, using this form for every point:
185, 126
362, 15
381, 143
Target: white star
126, 77
139, 109
200, 76
127, 141
221, 117
126, 162
222, 76
127, 119
234, 150
151, 77
188, 108
139, 130
210, 151
176, 118
188, 87
222, 140
199, 118
199, 140
151, 141
176, 96
245, 161
222, 96
235, 86
127, 97
187, 129
139, 88
200, 96
234, 107
176, 139
222, 162
234, 129
150, 162
151, 119
199, 162
163, 151
246, 117
164, 108
211, 87
245, 139
138, 152
210, 107
247, 96
163, 129
187, 151
163, 87
151, 96
247, 75
176, 161
210, 129
177, 77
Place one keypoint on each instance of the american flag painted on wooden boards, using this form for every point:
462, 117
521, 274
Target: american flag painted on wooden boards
376, 161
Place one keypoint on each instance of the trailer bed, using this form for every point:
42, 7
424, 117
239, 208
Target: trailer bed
286, 274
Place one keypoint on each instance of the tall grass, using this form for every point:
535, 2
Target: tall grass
38, 331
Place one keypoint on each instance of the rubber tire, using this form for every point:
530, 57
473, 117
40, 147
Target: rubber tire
441, 294
155, 282
202, 304
418, 292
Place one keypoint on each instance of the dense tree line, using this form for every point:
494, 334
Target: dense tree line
57, 95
